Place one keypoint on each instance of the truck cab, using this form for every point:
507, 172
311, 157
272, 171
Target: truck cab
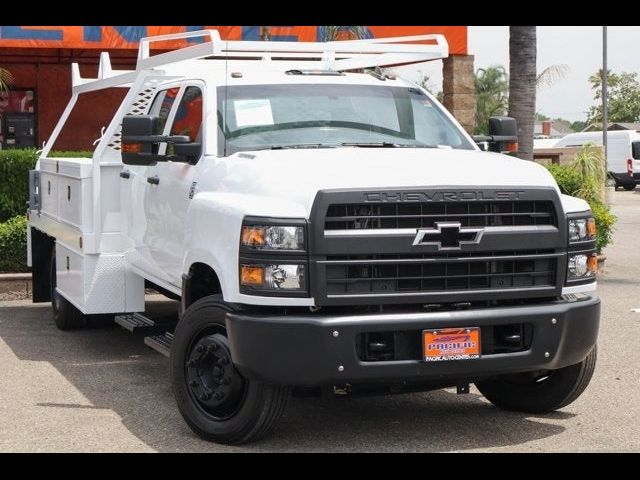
325, 227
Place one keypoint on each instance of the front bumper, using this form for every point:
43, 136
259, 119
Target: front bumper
304, 350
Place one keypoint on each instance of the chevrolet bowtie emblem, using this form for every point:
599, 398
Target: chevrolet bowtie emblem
448, 236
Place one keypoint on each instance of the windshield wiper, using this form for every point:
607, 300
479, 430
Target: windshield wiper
387, 145
301, 145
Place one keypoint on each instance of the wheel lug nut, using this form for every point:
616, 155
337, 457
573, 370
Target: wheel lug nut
218, 395
226, 381
200, 348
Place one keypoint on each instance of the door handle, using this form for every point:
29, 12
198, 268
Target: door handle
125, 174
155, 180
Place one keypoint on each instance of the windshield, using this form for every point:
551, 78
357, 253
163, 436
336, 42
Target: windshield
258, 117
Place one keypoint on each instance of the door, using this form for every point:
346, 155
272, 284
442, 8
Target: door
168, 198
138, 195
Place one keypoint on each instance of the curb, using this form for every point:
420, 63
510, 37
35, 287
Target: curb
15, 286
14, 277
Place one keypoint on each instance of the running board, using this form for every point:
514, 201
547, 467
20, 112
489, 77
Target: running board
161, 343
134, 322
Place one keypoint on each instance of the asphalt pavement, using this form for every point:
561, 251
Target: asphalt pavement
100, 389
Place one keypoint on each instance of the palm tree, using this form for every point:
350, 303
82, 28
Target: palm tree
328, 34
491, 87
5, 80
522, 85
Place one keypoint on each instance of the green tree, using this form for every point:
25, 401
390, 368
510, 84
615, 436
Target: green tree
578, 125
491, 86
6, 79
623, 97
522, 85
425, 82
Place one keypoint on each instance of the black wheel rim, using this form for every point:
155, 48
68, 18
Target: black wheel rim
213, 383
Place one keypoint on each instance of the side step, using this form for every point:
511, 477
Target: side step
134, 322
161, 343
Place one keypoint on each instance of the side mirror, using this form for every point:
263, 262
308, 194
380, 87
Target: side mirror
137, 130
140, 144
503, 135
635, 150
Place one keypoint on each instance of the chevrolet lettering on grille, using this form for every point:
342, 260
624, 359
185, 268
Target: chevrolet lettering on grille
448, 236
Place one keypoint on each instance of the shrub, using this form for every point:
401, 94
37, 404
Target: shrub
604, 224
14, 181
14, 178
13, 245
70, 154
571, 182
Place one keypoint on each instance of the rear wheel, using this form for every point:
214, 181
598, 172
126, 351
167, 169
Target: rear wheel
215, 400
65, 315
539, 392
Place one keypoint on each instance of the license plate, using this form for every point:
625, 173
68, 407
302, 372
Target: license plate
451, 344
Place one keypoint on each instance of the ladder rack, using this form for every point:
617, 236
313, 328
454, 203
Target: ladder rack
336, 55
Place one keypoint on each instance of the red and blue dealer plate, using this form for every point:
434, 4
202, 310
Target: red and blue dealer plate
451, 344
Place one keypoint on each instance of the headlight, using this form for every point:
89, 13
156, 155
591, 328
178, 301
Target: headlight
582, 267
274, 277
273, 237
582, 229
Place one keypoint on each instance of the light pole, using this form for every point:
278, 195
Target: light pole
605, 76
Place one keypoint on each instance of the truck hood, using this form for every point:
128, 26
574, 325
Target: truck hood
297, 175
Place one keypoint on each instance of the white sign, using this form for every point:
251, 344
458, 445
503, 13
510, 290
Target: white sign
251, 113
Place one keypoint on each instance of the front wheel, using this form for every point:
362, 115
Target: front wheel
215, 400
539, 392
629, 187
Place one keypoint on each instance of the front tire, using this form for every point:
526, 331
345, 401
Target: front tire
540, 392
65, 315
215, 400
629, 187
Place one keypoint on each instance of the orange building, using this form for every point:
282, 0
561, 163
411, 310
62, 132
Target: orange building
39, 58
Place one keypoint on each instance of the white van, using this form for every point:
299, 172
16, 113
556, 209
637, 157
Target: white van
623, 153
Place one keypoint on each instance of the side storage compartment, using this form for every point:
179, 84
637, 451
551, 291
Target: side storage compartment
70, 275
74, 193
49, 187
65, 189
98, 283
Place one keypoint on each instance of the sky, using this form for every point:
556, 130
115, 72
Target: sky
580, 48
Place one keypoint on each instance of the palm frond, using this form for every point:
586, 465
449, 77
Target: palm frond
552, 74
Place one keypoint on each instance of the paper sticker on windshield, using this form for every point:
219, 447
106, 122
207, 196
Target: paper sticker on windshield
252, 113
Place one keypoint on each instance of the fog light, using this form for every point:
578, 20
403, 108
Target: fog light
582, 266
274, 277
287, 277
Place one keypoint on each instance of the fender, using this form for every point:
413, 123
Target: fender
213, 225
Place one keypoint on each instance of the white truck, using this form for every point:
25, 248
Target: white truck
623, 153
326, 228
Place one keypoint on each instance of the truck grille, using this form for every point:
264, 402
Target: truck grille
385, 274
361, 216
